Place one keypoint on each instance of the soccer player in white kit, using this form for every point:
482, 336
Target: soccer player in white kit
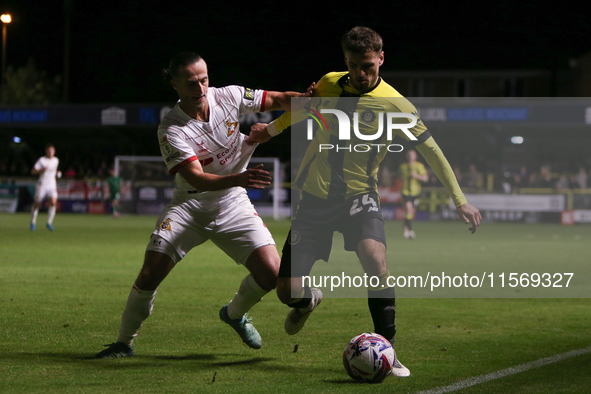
201, 144
46, 168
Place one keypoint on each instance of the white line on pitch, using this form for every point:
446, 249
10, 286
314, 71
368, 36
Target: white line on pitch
506, 372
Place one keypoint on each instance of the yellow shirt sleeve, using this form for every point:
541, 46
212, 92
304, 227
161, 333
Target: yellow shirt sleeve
435, 158
284, 121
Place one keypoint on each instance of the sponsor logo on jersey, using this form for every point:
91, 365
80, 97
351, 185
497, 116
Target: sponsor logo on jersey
165, 225
205, 162
249, 94
169, 158
232, 127
163, 140
226, 155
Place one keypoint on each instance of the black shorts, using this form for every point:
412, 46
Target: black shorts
412, 199
315, 222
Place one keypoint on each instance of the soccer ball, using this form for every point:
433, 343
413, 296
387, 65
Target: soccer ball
369, 357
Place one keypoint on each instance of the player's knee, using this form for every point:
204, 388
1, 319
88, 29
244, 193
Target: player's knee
264, 266
284, 291
156, 267
267, 280
271, 274
265, 274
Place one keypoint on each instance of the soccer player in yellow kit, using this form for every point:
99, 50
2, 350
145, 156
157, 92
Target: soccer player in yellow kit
413, 172
335, 184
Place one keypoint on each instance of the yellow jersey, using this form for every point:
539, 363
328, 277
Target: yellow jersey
411, 186
352, 169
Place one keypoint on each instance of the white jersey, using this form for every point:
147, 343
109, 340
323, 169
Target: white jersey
217, 144
47, 177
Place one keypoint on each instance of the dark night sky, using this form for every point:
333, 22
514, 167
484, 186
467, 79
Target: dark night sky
119, 47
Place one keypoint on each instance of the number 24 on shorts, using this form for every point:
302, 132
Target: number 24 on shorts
365, 200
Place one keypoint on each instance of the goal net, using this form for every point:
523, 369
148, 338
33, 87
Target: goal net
150, 186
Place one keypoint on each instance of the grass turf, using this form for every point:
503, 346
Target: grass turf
62, 293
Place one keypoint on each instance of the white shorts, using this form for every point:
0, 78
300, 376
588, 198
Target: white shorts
42, 192
231, 222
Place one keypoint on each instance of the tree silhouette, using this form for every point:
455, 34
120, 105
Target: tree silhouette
29, 86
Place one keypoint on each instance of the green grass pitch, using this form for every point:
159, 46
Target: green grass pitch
62, 294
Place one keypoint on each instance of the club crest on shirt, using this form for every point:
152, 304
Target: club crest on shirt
294, 238
165, 225
232, 126
367, 117
248, 94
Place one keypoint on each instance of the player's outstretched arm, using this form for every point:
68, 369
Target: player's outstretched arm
263, 132
282, 100
254, 178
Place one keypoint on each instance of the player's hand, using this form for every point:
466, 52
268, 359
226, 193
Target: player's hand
258, 134
470, 215
254, 178
305, 99
310, 91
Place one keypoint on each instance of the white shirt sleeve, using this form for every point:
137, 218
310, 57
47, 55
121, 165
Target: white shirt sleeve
246, 99
175, 151
39, 164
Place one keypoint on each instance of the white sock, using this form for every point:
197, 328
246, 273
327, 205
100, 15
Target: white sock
139, 307
51, 214
34, 218
248, 295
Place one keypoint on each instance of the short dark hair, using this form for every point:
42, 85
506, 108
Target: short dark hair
50, 145
182, 59
361, 39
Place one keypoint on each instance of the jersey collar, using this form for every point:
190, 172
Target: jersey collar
344, 79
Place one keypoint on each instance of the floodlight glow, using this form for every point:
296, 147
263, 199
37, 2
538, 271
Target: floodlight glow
5, 18
16, 139
517, 140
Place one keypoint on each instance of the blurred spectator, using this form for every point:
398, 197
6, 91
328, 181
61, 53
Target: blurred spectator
580, 180
70, 173
533, 180
3, 167
523, 173
517, 182
510, 182
103, 171
521, 179
473, 177
458, 174
562, 182
385, 177
545, 177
